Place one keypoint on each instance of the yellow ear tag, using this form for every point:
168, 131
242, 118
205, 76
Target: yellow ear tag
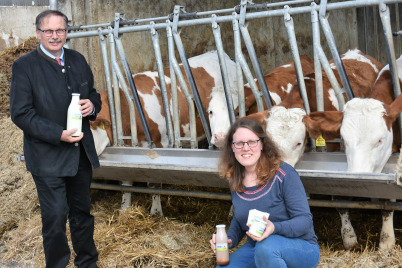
102, 126
320, 141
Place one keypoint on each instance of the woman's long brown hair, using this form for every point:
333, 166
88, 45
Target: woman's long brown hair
267, 165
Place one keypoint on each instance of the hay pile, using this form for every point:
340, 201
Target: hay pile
135, 239
7, 57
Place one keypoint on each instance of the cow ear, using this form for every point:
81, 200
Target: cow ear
325, 123
260, 117
395, 108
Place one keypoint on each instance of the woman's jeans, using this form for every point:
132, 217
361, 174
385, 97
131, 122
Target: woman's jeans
276, 251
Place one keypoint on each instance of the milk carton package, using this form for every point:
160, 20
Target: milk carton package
254, 214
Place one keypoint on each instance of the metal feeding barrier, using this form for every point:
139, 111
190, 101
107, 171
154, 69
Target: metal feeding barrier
321, 173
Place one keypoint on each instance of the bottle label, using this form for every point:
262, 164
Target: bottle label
221, 246
77, 116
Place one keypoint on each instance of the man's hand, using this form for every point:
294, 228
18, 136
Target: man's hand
86, 107
66, 136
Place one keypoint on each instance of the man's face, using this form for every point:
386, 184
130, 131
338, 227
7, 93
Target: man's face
54, 42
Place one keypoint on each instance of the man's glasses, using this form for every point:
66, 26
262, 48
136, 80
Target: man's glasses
250, 143
59, 32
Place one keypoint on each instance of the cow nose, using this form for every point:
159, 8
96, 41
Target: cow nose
219, 139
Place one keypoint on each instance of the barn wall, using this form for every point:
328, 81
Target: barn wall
269, 34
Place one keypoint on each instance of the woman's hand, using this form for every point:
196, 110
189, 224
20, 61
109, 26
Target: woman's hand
269, 229
213, 243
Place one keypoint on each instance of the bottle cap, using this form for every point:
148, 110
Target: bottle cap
220, 226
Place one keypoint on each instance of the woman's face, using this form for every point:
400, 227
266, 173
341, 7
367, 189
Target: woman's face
247, 156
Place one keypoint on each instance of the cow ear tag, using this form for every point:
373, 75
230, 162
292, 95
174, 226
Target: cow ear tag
102, 126
320, 141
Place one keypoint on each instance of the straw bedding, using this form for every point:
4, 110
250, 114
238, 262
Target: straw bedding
133, 238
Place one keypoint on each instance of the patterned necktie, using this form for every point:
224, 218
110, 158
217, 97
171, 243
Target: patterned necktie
58, 60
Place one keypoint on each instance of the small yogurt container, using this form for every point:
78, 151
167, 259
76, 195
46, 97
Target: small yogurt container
257, 227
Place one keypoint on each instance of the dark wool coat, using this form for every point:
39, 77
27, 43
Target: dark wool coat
39, 98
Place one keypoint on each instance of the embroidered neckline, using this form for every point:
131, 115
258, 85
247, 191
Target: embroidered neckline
262, 190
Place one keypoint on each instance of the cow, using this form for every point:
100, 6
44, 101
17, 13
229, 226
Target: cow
207, 76
286, 122
365, 152
280, 81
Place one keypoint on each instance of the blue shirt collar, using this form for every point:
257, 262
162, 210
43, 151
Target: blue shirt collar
52, 56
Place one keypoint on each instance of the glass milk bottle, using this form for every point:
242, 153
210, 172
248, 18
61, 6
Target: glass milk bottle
222, 248
74, 116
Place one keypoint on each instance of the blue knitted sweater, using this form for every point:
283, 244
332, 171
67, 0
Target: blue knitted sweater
284, 198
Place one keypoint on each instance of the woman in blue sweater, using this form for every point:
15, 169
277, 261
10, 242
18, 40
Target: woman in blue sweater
259, 180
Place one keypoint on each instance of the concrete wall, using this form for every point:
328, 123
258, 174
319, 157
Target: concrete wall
269, 34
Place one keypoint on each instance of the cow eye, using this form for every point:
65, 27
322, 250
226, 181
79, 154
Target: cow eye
380, 141
210, 112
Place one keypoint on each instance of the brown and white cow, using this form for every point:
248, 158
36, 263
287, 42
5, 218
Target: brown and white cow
207, 76
286, 122
280, 82
369, 137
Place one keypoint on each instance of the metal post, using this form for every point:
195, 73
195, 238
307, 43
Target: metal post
187, 69
130, 79
53, 4
253, 55
105, 58
173, 89
385, 19
317, 66
242, 62
161, 75
334, 50
189, 98
120, 77
296, 58
222, 63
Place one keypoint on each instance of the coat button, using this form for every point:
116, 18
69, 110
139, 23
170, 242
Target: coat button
76, 144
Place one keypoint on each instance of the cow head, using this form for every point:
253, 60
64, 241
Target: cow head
366, 129
219, 120
288, 131
367, 134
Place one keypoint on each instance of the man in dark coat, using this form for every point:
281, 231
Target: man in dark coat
61, 165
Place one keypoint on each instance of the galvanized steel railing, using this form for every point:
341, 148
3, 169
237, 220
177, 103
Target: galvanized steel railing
239, 16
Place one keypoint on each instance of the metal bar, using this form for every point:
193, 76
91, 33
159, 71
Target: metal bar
222, 63
106, 69
189, 98
145, 190
161, 75
356, 204
253, 55
227, 197
334, 50
173, 89
317, 65
120, 77
296, 58
242, 62
331, 77
134, 92
228, 18
386, 22
397, 33
187, 69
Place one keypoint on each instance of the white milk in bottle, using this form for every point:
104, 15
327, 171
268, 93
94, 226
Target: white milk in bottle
74, 116
222, 248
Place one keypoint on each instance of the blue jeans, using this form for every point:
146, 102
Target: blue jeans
276, 251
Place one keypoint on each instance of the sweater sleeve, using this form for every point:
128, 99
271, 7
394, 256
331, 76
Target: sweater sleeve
235, 232
300, 218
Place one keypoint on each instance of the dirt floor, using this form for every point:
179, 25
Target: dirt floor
133, 238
